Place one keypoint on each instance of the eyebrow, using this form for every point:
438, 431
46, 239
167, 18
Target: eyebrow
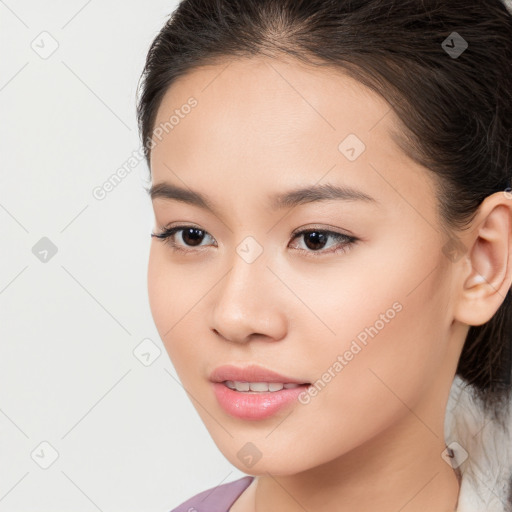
295, 197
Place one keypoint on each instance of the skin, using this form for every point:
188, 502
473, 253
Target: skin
372, 438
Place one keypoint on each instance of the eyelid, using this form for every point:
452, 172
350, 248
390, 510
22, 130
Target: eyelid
326, 228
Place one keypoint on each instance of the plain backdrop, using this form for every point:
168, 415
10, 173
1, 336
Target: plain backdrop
92, 416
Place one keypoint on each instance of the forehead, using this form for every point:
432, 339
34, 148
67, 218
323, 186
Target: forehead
274, 122
277, 101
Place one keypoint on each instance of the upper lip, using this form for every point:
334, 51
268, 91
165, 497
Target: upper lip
250, 373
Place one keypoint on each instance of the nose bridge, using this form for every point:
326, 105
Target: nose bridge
245, 303
247, 275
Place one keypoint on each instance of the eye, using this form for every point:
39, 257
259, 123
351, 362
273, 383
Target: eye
190, 235
315, 239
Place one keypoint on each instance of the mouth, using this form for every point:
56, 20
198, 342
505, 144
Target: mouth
261, 387
257, 400
254, 392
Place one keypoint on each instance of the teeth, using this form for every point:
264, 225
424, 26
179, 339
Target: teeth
259, 387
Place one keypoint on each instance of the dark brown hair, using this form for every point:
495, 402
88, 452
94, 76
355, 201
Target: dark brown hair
455, 110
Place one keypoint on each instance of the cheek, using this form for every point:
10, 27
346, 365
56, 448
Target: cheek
158, 281
165, 294
385, 376
389, 348
174, 299
171, 290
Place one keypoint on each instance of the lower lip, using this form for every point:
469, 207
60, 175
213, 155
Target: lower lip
255, 406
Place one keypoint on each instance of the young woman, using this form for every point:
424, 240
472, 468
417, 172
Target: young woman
331, 264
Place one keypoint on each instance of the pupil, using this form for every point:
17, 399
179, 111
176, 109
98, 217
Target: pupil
192, 233
317, 238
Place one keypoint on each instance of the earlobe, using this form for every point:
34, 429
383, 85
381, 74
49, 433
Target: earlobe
489, 279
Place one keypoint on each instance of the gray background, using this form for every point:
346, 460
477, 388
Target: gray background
73, 374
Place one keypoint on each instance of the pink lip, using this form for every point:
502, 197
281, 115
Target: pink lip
255, 406
251, 373
249, 405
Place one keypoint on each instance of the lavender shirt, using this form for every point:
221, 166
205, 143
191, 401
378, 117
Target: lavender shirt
216, 499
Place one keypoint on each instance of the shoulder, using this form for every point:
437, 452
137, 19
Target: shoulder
216, 499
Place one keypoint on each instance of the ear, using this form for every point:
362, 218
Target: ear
486, 269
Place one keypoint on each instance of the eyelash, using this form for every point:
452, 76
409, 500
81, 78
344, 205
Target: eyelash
167, 233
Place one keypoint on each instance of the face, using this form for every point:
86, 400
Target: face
359, 304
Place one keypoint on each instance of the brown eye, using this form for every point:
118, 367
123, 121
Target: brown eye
192, 236
315, 241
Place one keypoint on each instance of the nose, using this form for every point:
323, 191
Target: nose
250, 303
